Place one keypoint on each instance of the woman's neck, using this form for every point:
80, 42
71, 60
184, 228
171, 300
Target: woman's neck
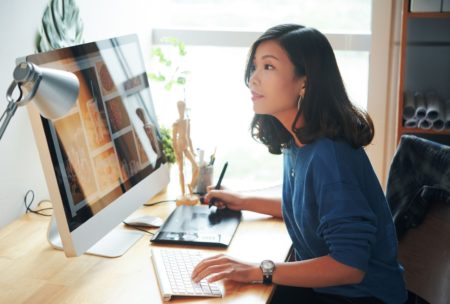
287, 119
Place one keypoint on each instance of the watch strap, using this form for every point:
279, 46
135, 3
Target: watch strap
267, 278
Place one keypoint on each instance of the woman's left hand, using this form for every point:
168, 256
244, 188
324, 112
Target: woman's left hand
221, 267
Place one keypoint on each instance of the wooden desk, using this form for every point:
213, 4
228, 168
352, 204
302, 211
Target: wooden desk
31, 271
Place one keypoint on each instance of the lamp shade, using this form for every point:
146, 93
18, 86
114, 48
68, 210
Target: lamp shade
54, 92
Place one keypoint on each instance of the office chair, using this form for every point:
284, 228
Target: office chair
418, 192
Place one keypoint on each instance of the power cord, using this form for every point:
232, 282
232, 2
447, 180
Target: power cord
160, 202
28, 204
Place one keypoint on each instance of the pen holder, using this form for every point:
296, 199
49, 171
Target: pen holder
205, 179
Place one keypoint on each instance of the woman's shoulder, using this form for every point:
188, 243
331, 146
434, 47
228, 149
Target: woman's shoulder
331, 150
326, 143
337, 161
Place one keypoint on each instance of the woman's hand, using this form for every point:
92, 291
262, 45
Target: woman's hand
226, 199
237, 201
221, 267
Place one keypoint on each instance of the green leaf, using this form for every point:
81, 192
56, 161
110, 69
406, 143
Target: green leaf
158, 54
168, 63
156, 51
169, 85
182, 49
177, 43
181, 80
156, 77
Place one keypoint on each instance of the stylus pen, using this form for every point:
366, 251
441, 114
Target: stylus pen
213, 200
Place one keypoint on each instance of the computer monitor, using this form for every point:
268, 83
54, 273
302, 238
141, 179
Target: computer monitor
104, 159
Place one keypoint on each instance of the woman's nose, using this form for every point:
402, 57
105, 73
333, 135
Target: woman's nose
254, 78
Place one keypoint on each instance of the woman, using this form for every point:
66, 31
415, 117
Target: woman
333, 206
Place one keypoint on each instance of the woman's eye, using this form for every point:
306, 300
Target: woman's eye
268, 67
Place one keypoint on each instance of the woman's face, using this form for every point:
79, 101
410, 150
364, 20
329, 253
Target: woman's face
274, 86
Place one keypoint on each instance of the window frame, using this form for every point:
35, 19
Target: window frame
377, 43
229, 38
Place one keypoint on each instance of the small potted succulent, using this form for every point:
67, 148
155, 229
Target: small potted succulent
166, 136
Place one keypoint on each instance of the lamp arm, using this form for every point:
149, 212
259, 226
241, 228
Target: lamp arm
9, 112
11, 107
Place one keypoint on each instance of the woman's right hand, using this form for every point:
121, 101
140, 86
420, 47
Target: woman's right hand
225, 198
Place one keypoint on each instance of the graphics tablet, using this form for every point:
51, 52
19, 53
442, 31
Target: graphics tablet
199, 225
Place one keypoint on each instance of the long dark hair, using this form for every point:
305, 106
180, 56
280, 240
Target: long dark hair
327, 110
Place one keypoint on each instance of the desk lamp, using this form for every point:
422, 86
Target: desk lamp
54, 92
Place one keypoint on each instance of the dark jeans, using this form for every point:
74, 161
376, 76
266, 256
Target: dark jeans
293, 295
419, 175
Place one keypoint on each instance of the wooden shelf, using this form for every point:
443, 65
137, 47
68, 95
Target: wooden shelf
407, 41
428, 15
403, 130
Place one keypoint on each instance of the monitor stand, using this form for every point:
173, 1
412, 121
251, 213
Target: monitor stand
112, 245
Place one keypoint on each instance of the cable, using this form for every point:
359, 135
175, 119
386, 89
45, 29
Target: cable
160, 202
28, 205
39, 211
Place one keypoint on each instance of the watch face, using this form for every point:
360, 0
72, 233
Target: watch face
267, 265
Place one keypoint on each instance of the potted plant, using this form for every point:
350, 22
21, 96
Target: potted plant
167, 144
166, 68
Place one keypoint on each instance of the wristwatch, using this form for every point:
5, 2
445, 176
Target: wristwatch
267, 268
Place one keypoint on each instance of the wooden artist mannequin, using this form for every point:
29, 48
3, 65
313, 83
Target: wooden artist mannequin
149, 129
182, 146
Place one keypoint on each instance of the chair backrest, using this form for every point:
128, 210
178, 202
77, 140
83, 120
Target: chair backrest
424, 252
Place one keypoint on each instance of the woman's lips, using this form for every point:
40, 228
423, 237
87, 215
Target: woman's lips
256, 96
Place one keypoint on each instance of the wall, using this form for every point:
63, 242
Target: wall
379, 84
383, 83
20, 167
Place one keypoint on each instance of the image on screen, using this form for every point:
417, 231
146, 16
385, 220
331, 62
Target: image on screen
110, 141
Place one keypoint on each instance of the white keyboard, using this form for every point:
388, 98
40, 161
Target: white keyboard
174, 267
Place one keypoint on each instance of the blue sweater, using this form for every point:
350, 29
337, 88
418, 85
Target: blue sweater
333, 205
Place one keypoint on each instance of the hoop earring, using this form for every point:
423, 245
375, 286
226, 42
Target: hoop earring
299, 101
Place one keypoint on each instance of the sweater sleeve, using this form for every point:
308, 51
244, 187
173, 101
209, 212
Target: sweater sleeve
347, 224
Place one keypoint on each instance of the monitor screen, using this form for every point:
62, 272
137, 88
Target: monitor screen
110, 142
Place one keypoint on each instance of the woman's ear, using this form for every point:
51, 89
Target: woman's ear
302, 84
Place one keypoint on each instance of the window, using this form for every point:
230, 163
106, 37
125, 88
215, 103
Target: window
332, 16
219, 102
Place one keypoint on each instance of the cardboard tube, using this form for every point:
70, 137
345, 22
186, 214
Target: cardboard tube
421, 106
425, 124
434, 106
409, 106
